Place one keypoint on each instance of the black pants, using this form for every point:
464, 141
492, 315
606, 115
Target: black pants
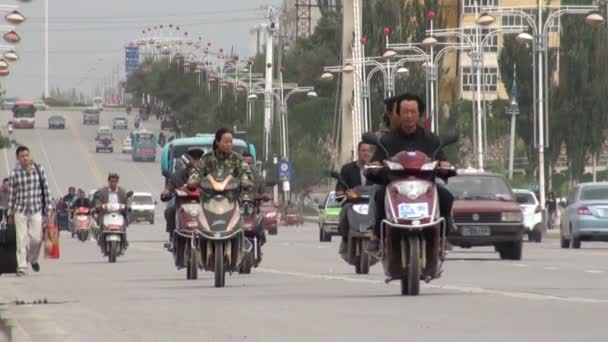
170, 219
446, 200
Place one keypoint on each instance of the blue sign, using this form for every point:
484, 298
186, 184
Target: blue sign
284, 167
131, 59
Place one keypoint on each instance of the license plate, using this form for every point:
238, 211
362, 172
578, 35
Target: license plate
413, 210
476, 231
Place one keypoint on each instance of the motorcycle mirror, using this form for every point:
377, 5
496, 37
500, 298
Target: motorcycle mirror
129, 194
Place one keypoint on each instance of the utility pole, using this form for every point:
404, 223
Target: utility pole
514, 111
346, 143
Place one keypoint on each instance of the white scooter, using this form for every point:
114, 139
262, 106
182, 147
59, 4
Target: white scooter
10, 128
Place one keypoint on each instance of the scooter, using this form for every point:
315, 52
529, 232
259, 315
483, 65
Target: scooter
220, 243
187, 213
413, 234
254, 231
112, 238
355, 215
82, 224
10, 127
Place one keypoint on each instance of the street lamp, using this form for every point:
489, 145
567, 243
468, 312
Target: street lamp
594, 18
3, 64
485, 19
14, 17
389, 54
327, 76
4, 72
312, 93
11, 37
403, 71
348, 68
11, 56
429, 42
252, 97
524, 37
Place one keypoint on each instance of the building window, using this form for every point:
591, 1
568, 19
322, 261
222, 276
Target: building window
469, 5
489, 79
517, 20
491, 44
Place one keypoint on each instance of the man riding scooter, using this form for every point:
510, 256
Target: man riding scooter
352, 175
178, 179
409, 136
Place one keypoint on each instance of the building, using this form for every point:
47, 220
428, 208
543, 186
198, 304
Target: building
492, 86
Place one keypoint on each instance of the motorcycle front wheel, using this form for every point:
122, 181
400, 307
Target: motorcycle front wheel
220, 274
410, 279
192, 260
113, 252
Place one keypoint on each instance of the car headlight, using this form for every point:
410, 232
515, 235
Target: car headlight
271, 214
412, 189
511, 217
362, 209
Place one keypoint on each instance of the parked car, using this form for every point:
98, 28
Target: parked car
120, 122
141, 207
533, 217
329, 216
127, 146
56, 121
585, 215
486, 214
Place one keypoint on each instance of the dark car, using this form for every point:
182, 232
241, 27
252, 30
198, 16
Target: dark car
56, 121
104, 142
120, 122
486, 214
168, 122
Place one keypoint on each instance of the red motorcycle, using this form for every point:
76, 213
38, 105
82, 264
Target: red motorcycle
188, 210
413, 234
82, 223
270, 220
253, 228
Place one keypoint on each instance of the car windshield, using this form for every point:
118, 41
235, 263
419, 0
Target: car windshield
145, 139
91, 111
103, 136
478, 187
594, 193
119, 119
141, 200
332, 202
524, 198
24, 111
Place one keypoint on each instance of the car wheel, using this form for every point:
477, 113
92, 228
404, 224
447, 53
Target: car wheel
565, 243
323, 236
576, 242
511, 250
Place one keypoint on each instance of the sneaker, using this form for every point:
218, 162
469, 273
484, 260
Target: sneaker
36, 266
20, 273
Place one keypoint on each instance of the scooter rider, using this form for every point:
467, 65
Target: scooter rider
177, 180
112, 194
223, 160
409, 136
352, 175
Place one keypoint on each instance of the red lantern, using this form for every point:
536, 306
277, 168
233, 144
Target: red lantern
431, 15
363, 40
387, 31
12, 37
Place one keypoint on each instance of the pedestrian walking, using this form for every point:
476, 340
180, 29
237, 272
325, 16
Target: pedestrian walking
3, 198
28, 201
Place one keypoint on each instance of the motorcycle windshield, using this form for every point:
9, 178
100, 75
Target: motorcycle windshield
113, 220
192, 209
218, 205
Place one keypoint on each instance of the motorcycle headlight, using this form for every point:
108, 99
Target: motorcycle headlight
250, 209
271, 214
412, 189
393, 166
242, 210
511, 217
361, 208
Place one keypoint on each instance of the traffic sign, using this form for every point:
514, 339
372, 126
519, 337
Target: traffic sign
284, 170
131, 59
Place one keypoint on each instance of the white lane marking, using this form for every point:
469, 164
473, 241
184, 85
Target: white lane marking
50, 166
594, 271
85, 152
144, 178
456, 288
550, 268
519, 265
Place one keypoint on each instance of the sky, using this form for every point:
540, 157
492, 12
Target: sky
87, 37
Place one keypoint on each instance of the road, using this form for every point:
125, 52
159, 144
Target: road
301, 292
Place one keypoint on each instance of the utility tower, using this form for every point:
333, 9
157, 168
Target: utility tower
303, 18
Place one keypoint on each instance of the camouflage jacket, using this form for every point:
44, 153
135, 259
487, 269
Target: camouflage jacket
232, 164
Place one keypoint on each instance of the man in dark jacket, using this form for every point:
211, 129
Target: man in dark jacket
352, 175
410, 136
177, 180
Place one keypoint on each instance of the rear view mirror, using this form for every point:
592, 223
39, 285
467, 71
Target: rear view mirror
129, 194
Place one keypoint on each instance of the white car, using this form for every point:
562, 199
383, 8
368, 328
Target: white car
533, 219
142, 207
127, 146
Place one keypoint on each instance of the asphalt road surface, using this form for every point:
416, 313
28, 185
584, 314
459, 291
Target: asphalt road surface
301, 292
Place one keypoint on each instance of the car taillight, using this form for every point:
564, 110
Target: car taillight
583, 211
